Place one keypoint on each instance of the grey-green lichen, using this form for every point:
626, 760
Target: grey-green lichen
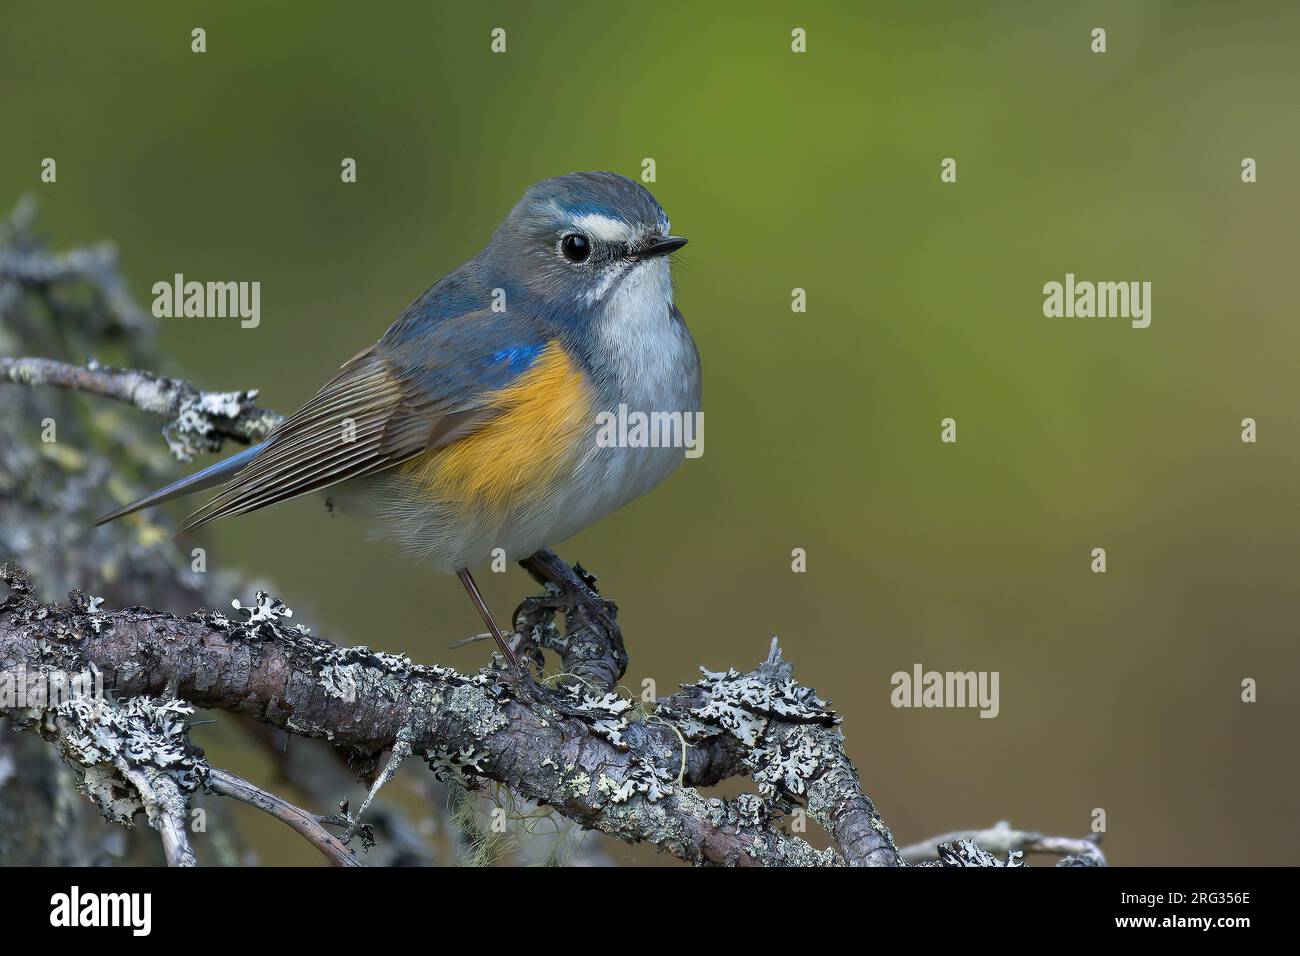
748, 707
456, 765
743, 704
197, 427
784, 766
966, 853
345, 673
642, 777
579, 785
641, 820
102, 740
476, 708
746, 810
670, 828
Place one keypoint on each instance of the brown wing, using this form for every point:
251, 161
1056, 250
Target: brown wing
363, 421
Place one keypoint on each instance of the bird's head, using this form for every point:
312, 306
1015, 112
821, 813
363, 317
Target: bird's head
572, 242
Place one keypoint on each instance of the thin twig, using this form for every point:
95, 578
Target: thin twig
1001, 839
228, 785
198, 420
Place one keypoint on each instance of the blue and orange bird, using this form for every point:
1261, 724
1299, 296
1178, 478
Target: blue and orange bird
472, 423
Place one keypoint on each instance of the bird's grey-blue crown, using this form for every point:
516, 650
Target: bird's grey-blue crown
596, 193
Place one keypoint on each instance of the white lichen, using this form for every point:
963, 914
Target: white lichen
643, 777
194, 429
784, 767
605, 715
101, 738
748, 707
742, 705
965, 853
265, 609
455, 765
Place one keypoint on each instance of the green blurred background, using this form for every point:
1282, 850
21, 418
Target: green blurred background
821, 171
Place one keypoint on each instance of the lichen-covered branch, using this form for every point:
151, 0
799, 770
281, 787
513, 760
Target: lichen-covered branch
166, 808
129, 758
196, 421
634, 779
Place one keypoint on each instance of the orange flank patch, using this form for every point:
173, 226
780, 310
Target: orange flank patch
522, 452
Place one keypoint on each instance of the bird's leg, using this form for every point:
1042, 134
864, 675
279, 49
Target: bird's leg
475, 596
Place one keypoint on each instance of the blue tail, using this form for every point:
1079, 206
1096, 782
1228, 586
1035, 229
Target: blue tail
216, 474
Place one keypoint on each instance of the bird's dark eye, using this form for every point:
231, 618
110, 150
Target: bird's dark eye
575, 247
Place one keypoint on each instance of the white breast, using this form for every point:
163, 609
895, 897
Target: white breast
644, 358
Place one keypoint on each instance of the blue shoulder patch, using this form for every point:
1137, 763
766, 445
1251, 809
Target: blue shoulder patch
516, 359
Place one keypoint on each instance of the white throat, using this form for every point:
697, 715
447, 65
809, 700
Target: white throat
651, 357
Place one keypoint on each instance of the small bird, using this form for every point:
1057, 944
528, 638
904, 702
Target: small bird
472, 424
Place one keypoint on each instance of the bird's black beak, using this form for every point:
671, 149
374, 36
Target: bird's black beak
660, 246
